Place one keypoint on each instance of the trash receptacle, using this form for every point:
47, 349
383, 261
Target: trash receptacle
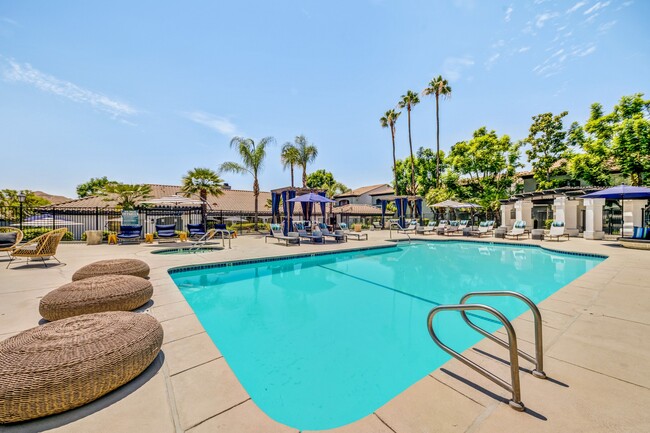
93, 237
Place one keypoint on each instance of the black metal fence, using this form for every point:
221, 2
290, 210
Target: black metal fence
34, 221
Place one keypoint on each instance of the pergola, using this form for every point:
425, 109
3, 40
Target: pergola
287, 193
402, 201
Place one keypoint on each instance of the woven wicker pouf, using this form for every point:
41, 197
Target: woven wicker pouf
71, 362
96, 295
134, 267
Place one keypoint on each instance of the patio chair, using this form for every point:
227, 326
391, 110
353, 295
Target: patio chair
350, 234
429, 228
340, 237
557, 231
166, 232
42, 247
413, 225
195, 231
442, 226
207, 236
129, 234
277, 234
9, 238
316, 236
518, 230
452, 228
484, 229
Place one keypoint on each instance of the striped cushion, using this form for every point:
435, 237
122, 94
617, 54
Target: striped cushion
639, 233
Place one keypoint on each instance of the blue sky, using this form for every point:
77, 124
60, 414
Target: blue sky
143, 91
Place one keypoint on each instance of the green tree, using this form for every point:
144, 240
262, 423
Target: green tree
9, 198
388, 121
425, 169
408, 101
319, 178
93, 187
202, 181
486, 167
631, 147
307, 154
252, 156
438, 87
290, 157
593, 163
547, 140
332, 189
126, 195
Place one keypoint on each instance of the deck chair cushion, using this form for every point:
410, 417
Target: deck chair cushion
7, 239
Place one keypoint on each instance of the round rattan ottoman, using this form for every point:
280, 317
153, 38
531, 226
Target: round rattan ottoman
71, 362
134, 267
96, 295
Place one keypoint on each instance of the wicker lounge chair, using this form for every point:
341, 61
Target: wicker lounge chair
450, 229
484, 229
68, 363
9, 238
429, 228
42, 247
350, 234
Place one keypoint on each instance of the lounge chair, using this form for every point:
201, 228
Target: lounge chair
338, 237
129, 234
518, 230
207, 236
639, 240
377, 225
442, 226
42, 247
355, 235
429, 228
452, 228
195, 231
222, 228
10, 237
277, 234
484, 229
315, 236
557, 231
413, 225
166, 233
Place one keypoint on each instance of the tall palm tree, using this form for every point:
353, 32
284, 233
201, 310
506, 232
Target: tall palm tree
126, 196
408, 101
307, 153
290, 157
202, 181
438, 87
388, 121
252, 156
332, 189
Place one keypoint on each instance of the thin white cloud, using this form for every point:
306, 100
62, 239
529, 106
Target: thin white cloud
27, 74
605, 27
498, 44
596, 7
8, 21
576, 6
587, 51
454, 66
540, 20
217, 123
523, 49
491, 61
509, 12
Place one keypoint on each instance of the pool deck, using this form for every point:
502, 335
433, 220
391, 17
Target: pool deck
596, 339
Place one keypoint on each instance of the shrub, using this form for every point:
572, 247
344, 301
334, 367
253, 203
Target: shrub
105, 234
31, 233
547, 224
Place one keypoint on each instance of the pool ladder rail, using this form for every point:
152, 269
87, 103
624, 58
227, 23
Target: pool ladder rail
538, 360
399, 229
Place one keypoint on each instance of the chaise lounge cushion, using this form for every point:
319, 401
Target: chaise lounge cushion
7, 239
96, 295
133, 267
68, 363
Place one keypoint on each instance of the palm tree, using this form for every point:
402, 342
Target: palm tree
290, 157
332, 189
252, 156
438, 87
408, 101
126, 195
307, 153
388, 121
202, 181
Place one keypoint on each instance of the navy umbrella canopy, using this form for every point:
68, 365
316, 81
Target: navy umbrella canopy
621, 192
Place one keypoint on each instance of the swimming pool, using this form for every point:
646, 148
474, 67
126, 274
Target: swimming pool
322, 341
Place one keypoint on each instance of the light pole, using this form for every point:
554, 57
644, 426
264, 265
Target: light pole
21, 200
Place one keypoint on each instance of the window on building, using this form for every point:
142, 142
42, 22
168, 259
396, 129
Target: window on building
513, 213
343, 202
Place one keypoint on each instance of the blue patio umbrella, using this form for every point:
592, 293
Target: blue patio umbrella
621, 192
311, 198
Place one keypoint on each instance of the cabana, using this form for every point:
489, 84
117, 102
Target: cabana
402, 202
286, 195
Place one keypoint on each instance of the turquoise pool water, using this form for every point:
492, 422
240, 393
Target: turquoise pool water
322, 341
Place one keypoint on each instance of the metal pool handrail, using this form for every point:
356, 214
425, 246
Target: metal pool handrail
514, 387
538, 359
390, 232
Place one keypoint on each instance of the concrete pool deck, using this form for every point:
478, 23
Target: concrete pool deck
596, 338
